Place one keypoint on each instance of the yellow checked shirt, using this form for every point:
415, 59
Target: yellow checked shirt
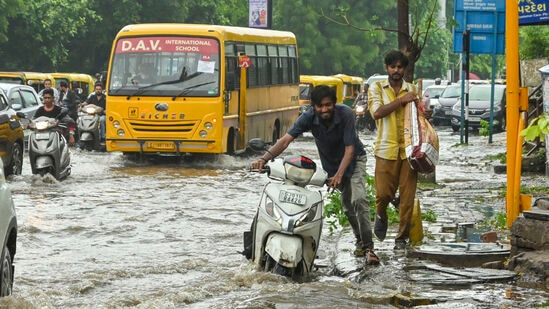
389, 143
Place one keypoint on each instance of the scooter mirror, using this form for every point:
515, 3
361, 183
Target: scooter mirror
257, 144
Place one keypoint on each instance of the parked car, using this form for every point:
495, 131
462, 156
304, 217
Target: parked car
8, 235
22, 98
431, 95
11, 138
442, 112
479, 107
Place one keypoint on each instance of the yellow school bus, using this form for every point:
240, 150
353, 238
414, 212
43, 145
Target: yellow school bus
308, 82
34, 79
189, 88
83, 84
352, 86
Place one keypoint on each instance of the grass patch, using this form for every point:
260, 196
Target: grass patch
500, 157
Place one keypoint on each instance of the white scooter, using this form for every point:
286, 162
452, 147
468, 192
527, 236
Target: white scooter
48, 149
285, 233
88, 127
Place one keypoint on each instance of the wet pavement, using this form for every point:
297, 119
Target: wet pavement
124, 234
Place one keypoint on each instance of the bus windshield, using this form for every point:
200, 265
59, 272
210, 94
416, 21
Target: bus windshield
169, 66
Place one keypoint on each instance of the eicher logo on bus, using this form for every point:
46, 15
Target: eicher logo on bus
204, 46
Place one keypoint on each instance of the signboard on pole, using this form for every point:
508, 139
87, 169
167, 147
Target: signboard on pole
260, 13
485, 19
533, 12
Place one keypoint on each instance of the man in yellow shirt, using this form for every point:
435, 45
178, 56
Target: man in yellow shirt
386, 101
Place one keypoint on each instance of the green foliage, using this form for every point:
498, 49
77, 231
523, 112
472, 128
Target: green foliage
484, 128
501, 157
537, 128
533, 42
429, 216
496, 222
335, 216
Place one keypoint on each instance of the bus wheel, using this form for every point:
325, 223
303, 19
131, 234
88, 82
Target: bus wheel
230, 142
276, 132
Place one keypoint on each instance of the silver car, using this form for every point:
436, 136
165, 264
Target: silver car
479, 107
22, 98
8, 233
442, 113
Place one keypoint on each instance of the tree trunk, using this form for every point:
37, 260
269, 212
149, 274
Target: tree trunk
406, 42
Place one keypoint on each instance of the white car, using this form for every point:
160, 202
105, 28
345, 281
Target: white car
431, 95
8, 233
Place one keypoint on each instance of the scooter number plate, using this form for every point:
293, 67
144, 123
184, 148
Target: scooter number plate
41, 136
294, 198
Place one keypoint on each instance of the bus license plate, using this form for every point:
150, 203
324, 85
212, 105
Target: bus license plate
291, 197
164, 146
42, 136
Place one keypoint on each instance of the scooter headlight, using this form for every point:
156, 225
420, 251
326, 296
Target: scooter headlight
41, 125
360, 108
271, 209
309, 216
90, 110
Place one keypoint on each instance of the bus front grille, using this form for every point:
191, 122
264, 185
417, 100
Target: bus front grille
165, 127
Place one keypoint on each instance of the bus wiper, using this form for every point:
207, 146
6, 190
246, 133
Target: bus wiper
188, 89
140, 90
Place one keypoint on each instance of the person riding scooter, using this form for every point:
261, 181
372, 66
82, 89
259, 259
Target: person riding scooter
54, 111
98, 99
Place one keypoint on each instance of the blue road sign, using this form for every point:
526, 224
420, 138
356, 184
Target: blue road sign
533, 12
486, 21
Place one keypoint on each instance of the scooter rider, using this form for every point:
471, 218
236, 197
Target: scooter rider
343, 157
54, 111
97, 98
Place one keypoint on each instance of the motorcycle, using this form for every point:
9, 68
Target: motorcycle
364, 119
48, 148
88, 127
285, 232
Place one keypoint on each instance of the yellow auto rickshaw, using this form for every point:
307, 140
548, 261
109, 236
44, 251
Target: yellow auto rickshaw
82, 84
34, 79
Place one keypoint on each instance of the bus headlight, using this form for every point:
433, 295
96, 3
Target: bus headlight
203, 134
116, 124
120, 132
208, 126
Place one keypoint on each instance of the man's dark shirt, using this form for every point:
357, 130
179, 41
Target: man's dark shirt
54, 113
70, 101
101, 102
331, 141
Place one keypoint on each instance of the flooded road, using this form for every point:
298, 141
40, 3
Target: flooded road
119, 233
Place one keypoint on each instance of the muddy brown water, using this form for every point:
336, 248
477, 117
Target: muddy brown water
165, 234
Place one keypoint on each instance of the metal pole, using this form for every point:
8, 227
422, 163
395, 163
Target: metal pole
512, 111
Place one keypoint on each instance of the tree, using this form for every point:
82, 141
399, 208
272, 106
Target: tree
533, 42
411, 44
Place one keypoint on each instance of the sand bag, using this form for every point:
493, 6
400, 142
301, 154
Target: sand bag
421, 141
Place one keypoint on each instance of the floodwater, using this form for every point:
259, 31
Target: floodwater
166, 234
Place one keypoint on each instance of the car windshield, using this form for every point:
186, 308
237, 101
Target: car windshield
451, 92
483, 93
